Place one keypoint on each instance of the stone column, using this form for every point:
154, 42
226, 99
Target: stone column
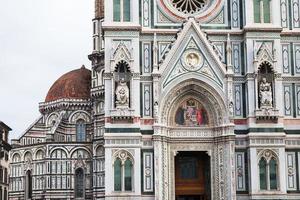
161, 165
224, 180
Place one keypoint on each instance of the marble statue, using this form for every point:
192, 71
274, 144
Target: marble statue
122, 94
265, 93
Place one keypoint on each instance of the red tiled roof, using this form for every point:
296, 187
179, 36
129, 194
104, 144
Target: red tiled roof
75, 84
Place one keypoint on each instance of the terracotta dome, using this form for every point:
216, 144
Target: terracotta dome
75, 84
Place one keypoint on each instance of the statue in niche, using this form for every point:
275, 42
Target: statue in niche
265, 93
122, 94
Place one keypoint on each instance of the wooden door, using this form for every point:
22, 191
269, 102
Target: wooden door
190, 176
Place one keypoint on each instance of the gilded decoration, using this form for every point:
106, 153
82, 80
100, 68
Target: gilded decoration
191, 113
192, 60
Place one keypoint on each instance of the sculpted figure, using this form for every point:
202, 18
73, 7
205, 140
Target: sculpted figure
265, 93
192, 60
122, 94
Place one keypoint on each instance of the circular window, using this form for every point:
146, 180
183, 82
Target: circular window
179, 10
190, 6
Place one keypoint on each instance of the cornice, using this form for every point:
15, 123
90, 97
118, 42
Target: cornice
62, 104
124, 26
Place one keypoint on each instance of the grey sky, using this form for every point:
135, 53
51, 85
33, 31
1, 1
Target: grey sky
40, 40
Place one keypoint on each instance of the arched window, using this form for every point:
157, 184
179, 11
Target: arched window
123, 171
262, 11
79, 183
263, 174
117, 174
80, 131
128, 175
28, 185
121, 10
268, 172
273, 174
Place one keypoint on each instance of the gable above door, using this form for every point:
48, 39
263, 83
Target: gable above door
192, 55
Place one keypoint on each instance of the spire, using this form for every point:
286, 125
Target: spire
229, 54
155, 53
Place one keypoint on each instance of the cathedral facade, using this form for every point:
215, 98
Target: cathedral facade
186, 100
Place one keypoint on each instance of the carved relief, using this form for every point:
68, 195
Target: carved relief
192, 60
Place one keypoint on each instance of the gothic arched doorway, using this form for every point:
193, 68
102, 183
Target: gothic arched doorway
194, 144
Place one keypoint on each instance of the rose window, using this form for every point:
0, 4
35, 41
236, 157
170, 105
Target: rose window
190, 6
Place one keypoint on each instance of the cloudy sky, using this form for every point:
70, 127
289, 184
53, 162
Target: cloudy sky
39, 41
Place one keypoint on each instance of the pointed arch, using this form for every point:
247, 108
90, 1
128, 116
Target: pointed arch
210, 97
80, 131
268, 170
80, 114
121, 53
192, 30
123, 170
264, 54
